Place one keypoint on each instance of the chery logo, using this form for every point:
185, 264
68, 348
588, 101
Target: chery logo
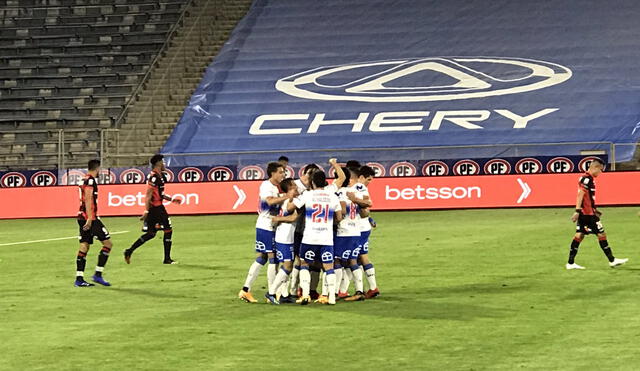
400, 80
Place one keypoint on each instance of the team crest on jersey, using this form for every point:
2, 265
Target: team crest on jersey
327, 257
132, 176
72, 177
529, 165
402, 169
43, 179
13, 180
309, 255
466, 167
378, 169
251, 172
260, 246
497, 166
584, 164
190, 175
220, 174
435, 168
559, 165
106, 176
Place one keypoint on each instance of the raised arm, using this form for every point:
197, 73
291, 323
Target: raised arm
338, 170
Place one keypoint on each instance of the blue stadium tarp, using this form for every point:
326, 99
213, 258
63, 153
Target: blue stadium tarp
383, 74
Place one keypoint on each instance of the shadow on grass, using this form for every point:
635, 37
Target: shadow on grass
150, 293
200, 267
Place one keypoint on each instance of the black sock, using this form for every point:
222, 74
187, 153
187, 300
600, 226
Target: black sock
144, 238
573, 251
604, 245
81, 261
102, 259
167, 245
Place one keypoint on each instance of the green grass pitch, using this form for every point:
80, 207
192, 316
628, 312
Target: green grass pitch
461, 290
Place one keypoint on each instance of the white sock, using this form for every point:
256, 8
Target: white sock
278, 282
305, 281
272, 270
254, 271
284, 289
357, 279
347, 277
325, 289
315, 278
371, 278
339, 274
293, 278
331, 286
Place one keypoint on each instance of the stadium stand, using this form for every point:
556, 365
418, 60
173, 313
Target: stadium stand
68, 69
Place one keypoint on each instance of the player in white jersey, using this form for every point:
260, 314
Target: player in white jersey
361, 253
321, 208
286, 226
269, 206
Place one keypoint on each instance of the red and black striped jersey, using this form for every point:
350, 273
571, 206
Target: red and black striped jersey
156, 180
88, 182
587, 184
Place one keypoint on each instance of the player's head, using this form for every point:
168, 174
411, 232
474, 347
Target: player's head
284, 160
310, 169
366, 174
157, 162
353, 164
319, 179
275, 172
288, 185
347, 174
353, 175
93, 166
596, 167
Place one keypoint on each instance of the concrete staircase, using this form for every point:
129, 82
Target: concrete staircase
151, 118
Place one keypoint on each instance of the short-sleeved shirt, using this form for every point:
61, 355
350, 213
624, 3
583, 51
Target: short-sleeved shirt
361, 191
320, 207
155, 181
88, 182
285, 231
349, 226
266, 212
587, 184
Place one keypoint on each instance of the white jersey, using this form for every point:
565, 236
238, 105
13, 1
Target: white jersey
285, 231
350, 225
320, 206
361, 192
301, 186
266, 212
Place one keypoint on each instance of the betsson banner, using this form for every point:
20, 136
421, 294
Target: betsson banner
417, 193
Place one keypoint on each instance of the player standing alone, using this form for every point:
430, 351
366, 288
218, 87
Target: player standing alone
155, 217
91, 226
587, 217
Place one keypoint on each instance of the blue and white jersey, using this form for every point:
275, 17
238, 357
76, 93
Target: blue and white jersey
285, 231
266, 212
361, 191
350, 225
320, 207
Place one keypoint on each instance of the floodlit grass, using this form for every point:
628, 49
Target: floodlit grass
466, 289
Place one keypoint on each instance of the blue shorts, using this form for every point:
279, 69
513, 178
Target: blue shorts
284, 252
316, 253
343, 246
297, 242
363, 245
264, 240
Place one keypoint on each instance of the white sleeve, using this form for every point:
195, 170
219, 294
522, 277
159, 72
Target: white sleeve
299, 201
266, 191
335, 203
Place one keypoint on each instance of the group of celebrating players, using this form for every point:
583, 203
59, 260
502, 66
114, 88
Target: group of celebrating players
307, 226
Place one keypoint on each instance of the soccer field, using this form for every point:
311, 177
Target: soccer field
465, 289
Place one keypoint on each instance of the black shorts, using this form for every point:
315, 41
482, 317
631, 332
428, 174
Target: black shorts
589, 224
157, 220
98, 230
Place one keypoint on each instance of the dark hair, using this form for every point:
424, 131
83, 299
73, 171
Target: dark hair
93, 164
366, 171
286, 184
310, 167
598, 160
155, 159
273, 167
347, 174
283, 158
353, 164
319, 179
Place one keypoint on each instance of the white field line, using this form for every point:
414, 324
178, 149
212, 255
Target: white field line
51, 239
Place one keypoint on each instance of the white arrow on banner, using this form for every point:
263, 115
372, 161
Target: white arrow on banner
526, 191
241, 197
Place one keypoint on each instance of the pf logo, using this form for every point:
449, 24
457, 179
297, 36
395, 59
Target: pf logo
378, 168
132, 176
402, 169
168, 175
402, 80
106, 177
220, 174
497, 166
289, 172
332, 172
251, 173
528, 165
466, 167
43, 179
435, 168
190, 175
72, 177
585, 163
13, 180
559, 165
